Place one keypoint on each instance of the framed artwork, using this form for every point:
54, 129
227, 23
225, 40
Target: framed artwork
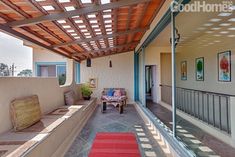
184, 70
200, 69
224, 66
92, 82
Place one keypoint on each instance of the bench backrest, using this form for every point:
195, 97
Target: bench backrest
105, 91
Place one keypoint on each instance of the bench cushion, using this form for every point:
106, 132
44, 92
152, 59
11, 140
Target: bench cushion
25, 112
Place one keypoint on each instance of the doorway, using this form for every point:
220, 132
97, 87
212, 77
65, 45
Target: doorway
151, 83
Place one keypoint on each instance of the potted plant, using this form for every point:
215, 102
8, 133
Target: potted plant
86, 92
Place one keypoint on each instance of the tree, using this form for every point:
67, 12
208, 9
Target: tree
4, 70
62, 79
25, 73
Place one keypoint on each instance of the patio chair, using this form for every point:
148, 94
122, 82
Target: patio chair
116, 100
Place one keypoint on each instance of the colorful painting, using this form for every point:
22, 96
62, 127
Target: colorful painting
93, 83
224, 66
200, 69
184, 70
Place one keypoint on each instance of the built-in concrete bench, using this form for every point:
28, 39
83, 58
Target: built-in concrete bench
52, 136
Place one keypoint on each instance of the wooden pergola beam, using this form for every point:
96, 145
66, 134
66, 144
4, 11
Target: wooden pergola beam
80, 11
102, 37
111, 53
101, 19
24, 14
128, 22
35, 5
73, 25
106, 49
12, 32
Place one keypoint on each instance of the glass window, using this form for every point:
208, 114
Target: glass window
61, 74
78, 73
52, 70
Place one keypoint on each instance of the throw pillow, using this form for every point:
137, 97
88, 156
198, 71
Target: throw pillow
110, 92
117, 93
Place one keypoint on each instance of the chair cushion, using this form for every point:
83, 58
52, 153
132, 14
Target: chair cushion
113, 98
25, 112
69, 98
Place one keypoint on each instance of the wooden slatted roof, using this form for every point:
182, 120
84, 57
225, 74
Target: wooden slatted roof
79, 29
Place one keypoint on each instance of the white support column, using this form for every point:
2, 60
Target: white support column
232, 119
70, 72
173, 71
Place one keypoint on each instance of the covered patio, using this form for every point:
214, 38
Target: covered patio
153, 76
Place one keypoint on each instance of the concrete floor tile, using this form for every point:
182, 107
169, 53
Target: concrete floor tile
112, 121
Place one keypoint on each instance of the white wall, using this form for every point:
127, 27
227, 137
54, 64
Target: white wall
43, 55
211, 82
152, 57
166, 75
120, 75
50, 94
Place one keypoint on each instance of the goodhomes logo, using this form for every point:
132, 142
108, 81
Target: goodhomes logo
202, 6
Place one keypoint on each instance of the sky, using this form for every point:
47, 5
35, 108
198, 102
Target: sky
12, 51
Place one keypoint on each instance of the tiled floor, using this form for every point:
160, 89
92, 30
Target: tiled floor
202, 143
112, 121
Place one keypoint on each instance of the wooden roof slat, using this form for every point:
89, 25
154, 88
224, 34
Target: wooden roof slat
24, 37
140, 18
100, 17
81, 11
106, 49
71, 23
130, 19
24, 14
55, 23
103, 36
89, 26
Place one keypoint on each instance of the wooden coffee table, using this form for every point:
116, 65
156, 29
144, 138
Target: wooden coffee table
106, 102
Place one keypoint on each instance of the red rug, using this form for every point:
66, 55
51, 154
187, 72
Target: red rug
115, 145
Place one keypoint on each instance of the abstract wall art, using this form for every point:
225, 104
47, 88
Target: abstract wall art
224, 66
200, 69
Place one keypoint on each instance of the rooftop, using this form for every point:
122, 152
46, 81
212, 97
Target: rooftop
80, 29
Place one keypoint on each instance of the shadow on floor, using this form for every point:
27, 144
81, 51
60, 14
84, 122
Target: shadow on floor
202, 143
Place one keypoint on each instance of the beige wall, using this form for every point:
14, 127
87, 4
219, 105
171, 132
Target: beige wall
166, 69
211, 82
50, 94
120, 75
152, 57
43, 55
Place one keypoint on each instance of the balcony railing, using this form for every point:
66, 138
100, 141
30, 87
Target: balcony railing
210, 107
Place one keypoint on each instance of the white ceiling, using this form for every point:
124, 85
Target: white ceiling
202, 28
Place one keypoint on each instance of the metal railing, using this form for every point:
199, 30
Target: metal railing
210, 107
